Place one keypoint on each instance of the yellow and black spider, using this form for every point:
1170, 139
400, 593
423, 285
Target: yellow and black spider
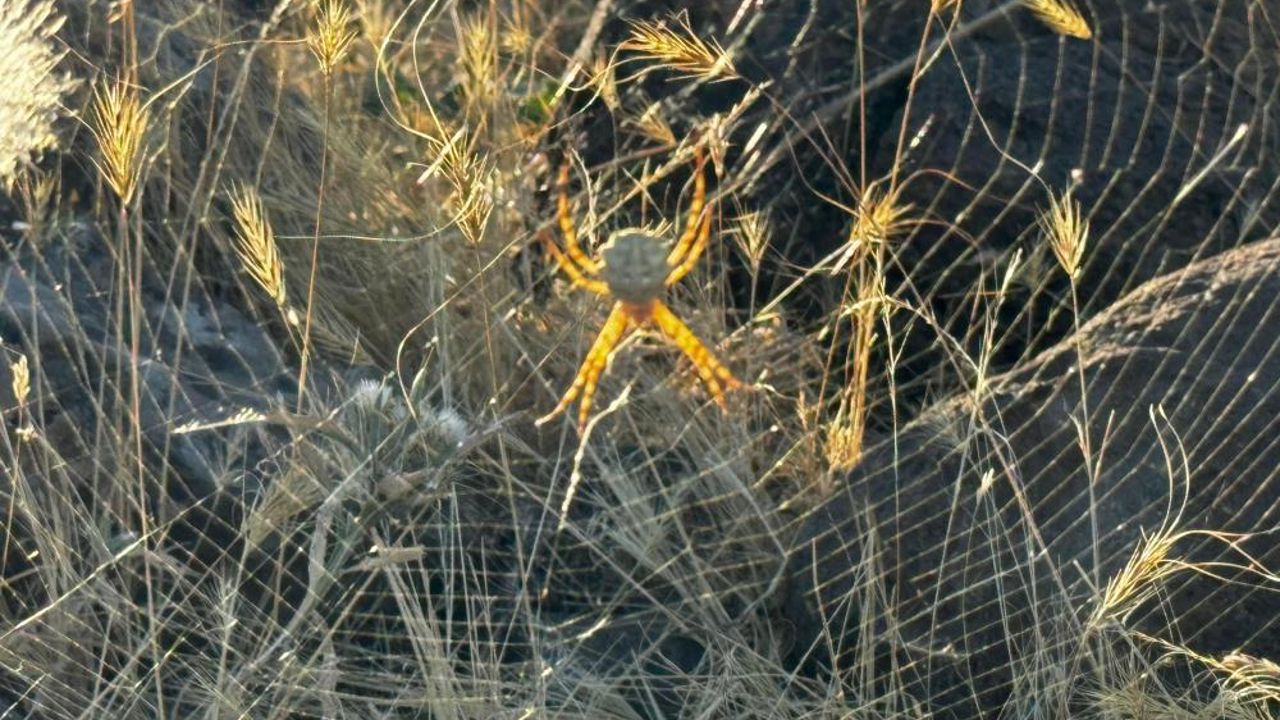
634, 268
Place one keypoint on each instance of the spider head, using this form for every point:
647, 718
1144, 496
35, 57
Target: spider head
635, 265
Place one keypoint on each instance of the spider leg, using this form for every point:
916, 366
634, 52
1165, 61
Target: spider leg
615, 329
571, 246
576, 273
695, 252
715, 375
694, 213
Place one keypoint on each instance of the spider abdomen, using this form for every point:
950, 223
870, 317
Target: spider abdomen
635, 266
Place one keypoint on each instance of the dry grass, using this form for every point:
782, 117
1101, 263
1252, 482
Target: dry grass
878, 217
1061, 16
679, 48
408, 542
256, 244
119, 124
1067, 232
332, 33
31, 83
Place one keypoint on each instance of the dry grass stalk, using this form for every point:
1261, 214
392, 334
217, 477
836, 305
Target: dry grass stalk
1138, 581
478, 55
331, 35
376, 20
680, 49
1067, 231
256, 244
32, 89
1061, 16
292, 493
606, 82
471, 177
847, 431
654, 126
20, 375
119, 125
877, 218
752, 237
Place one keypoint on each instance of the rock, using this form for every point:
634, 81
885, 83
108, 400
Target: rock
980, 581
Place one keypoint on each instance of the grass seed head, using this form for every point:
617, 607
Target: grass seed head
119, 125
752, 237
1061, 16
652, 124
377, 20
1137, 581
293, 492
255, 243
32, 89
478, 55
20, 375
606, 82
332, 34
680, 49
877, 218
1067, 230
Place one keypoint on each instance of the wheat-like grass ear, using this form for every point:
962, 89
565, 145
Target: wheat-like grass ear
680, 49
20, 379
332, 34
1061, 16
1067, 230
255, 244
119, 124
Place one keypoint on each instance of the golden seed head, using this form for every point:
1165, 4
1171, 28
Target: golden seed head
21, 379
1067, 231
32, 86
654, 126
877, 217
680, 49
119, 125
332, 34
255, 243
752, 236
1061, 16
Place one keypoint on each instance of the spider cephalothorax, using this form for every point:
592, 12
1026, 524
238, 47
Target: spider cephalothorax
634, 268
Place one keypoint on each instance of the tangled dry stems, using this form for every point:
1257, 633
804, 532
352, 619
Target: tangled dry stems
482, 334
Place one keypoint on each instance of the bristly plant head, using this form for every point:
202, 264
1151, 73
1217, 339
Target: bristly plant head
680, 49
20, 378
652, 124
878, 216
119, 124
752, 235
256, 243
332, 35
471, 176
478, 56
1061, 16
1067, 231
32, 89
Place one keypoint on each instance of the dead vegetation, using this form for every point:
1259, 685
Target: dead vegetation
271, 434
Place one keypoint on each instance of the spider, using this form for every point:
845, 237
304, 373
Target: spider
633, 269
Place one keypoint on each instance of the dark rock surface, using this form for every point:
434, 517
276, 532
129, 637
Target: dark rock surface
974, 575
